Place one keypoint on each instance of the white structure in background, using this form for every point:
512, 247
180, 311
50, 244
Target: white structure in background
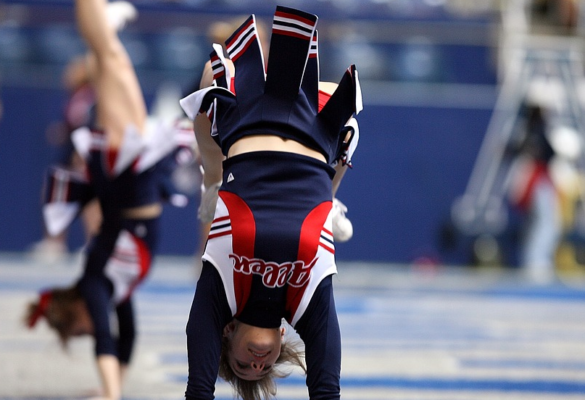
543, 69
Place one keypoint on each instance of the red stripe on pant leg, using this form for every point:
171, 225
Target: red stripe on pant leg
243, 237
308, 246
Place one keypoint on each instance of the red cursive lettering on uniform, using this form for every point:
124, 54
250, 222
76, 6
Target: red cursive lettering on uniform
274, 275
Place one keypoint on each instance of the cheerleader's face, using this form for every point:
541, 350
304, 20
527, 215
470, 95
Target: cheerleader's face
253, 350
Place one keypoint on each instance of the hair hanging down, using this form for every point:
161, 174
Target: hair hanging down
264, 388
57, 307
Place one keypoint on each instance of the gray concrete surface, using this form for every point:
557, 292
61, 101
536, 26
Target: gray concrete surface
408, 333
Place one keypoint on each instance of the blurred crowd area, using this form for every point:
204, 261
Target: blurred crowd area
394, 40
427, 41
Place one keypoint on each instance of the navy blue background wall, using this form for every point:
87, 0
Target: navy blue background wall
415, 155
410, 165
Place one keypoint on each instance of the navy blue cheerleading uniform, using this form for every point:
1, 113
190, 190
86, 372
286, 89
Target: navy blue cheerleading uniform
269, 256
270, 253
119, 257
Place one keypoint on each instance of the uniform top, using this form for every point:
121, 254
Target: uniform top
271, 238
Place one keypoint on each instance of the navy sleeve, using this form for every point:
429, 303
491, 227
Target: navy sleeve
209, 314
319, 330
126, 331
96, 292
